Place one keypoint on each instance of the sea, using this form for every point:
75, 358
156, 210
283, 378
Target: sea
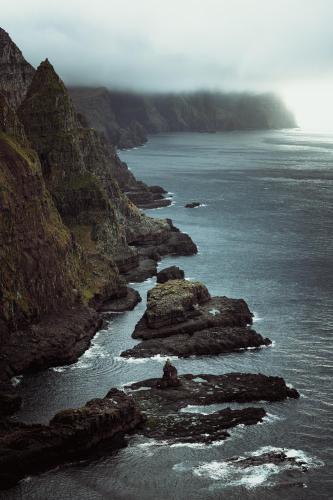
264, 232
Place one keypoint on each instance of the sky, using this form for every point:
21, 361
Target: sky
285, 46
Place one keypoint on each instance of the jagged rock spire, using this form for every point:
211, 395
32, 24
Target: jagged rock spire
15, 72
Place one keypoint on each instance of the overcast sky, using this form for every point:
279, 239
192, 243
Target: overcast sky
178, 44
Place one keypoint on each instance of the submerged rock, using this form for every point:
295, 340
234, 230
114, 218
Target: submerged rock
170, 273
71, 434
194, 204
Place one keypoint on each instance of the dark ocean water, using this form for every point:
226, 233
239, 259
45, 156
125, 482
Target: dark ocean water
265, 234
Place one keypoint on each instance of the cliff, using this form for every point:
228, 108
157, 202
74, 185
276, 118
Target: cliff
68, 232
41, 267
15, 72
126, 118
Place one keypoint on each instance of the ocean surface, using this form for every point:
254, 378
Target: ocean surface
264, 233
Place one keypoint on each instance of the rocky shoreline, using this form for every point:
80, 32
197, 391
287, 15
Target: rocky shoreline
74, 237
151, 407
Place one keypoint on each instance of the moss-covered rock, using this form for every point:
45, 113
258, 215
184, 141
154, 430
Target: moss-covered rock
174, 301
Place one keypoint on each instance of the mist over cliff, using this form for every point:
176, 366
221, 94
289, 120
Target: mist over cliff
126, 118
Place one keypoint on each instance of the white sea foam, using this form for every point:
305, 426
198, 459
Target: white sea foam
131, 360
197, 445
95, 351
234, 473
256, 317
59, 369
16, 380
158, 357
153, 442
271, 417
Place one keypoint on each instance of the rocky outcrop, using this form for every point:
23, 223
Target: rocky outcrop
170, 376
193, 204
71, 434
170, 273
15, 72
120, 115
182, 319
162, 404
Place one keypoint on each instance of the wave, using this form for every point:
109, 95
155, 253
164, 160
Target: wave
236, 472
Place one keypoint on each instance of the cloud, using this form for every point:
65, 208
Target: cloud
177, 44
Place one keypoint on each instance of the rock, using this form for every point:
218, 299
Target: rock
146, 197
210, 341
170, 273
127, 303
173, 302
197, 428
275, 457
72, 434
206, 389
169, 378
15, 72
10, 402
162, 405
194, 204
182, 319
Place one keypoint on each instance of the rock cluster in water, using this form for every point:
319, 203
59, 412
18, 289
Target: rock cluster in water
182, 319
162, 399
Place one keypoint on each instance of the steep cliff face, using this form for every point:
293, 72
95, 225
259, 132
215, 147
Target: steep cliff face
39, 261
116, 114
79, 169
15, 72
71, 156
67, 230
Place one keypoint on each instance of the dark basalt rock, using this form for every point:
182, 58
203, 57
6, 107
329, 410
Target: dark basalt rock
278, 457
147, 197
194, 204
206, 389
162, 404
34, 348
179, 307
15, 72
182, 319
71, 434
170, 378
126, 303
170, 273
210, 341
190, 428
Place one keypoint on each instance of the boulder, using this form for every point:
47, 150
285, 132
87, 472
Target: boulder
173, 302
170, 378
170, 273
